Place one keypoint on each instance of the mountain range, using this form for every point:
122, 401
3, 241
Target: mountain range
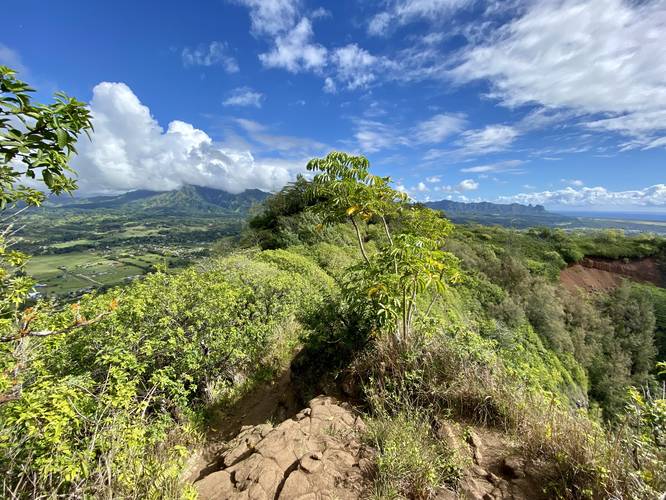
487, 208
205, 200
185, 200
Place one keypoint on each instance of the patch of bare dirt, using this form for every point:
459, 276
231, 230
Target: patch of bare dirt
317, 454
269, 402
601, 275
497, 470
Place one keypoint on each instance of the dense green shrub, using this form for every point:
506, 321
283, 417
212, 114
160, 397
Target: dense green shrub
105, 407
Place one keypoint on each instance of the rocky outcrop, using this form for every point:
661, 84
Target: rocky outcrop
315, 455
318, 454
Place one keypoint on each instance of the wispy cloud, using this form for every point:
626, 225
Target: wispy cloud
437, 128
270, 17
373, 136
354, 66
596, 57
403, 11
11, 58
510, 166
489, 139
265, 140
213, 54
573, 182
244, 96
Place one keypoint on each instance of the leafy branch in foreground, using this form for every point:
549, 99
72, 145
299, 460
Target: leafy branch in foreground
410, 264
36, 144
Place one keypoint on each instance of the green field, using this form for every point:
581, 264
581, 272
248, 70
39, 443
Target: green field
74, 251
62, 274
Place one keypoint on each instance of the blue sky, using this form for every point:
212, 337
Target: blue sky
559, 102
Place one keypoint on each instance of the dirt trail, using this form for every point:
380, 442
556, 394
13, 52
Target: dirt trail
270, 402
270, 445
263, 449
317, 453
496, 469
499, 470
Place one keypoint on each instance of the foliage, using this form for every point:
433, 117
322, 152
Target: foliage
386, 285
36, 139
627, 351
609, 337
108, 408
435, 323
646, 437
268, 226
464, 375
410, 462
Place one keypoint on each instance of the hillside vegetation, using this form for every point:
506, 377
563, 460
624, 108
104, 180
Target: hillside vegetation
346, 282
480, 331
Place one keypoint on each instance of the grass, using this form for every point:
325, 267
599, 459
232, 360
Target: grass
410, 461
65, 273
72, 243
468, 382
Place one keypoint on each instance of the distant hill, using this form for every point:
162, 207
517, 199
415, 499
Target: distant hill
185, 200
487, 208
508, 215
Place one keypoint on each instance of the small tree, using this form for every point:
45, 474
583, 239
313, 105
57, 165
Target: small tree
352, 193
411, 263
36, 143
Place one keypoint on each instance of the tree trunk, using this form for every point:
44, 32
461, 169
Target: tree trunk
411, 308
386, 230
360, 240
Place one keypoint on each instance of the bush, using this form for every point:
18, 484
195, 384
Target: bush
106, 408
410, 462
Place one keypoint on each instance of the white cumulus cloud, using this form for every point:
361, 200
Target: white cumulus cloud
130, 150
596, 197
295, 50
468, 185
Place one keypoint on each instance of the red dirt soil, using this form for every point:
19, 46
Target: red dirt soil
596, 274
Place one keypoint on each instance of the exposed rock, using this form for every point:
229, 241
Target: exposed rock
475, 442
514, 467
316, 455
497, 472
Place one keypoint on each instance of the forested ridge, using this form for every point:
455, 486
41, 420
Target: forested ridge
346, 281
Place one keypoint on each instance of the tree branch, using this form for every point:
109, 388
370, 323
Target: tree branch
25, 331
